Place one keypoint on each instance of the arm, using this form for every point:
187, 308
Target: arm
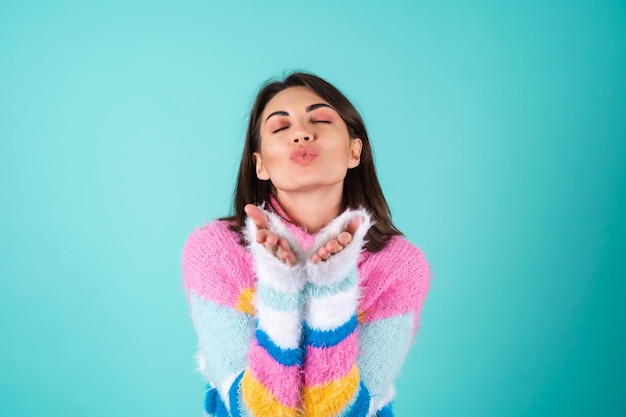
332, 382
353, 357
271, 384
252, 366
395, 284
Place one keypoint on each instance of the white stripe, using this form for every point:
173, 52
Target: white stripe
330, 312
337, 266
225, 388
269, 269
378, 402
274, 274
283, 327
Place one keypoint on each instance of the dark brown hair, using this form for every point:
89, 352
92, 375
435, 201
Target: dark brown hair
360, 187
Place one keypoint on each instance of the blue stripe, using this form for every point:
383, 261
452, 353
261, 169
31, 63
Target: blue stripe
286, 357
361, 406
318, 291
213, 403
385, 411
328, 338
233, 396
210, 400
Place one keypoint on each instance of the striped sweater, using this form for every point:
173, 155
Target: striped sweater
324, 339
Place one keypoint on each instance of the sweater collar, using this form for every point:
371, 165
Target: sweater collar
305, 238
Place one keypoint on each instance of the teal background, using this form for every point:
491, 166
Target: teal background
499, 131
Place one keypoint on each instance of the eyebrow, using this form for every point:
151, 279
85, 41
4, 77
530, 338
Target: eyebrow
308, 109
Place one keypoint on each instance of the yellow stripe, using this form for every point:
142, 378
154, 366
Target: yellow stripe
260, 401
361, 316
331, 398
245, 301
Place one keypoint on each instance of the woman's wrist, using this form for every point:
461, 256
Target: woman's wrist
271, 270
339, 264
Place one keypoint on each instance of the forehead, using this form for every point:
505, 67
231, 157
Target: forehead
292, 98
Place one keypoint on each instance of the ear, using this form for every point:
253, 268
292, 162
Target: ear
356, 145
261, 173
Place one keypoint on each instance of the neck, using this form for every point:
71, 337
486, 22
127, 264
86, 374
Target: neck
312, 209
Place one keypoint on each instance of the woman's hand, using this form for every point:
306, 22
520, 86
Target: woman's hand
336, 245
280, 247
272, 242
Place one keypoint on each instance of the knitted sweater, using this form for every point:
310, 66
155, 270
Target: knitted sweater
325, 339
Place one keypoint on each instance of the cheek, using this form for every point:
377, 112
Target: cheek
341, 146
270, 150
274, 155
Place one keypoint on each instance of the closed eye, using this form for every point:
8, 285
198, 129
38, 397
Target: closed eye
321, 121
279, 129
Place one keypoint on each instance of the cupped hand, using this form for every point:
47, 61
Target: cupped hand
272, 242
336, 245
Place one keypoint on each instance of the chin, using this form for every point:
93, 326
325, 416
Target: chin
303, 186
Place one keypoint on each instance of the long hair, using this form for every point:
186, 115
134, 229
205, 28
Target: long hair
360, 187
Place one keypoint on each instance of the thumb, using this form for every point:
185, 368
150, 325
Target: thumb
257, 215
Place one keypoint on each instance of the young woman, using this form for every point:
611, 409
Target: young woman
307, 299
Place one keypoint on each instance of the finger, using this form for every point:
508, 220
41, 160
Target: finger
286, 256
344, 238
262, 235
271, 248
257, 215
354, 224
266, 236
323, 253
333, 246
290, 258
272, 239
315, 258
283, 244
286, 253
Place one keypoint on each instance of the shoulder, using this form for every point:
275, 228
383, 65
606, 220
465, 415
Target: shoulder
394, 280
399, 258
209, 244
213, 236
407, 258
214, 263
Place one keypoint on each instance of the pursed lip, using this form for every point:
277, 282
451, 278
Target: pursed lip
302, 151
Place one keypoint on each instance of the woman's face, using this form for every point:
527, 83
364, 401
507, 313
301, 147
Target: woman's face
305, 144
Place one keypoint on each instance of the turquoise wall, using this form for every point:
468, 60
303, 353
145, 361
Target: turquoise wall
500, 137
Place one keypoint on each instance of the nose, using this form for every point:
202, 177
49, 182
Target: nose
302, 135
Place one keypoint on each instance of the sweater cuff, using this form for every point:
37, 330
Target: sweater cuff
271, 271
280, 300
338, 266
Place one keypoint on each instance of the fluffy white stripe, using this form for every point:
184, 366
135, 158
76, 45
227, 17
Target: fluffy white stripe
225, 387
337, 267
327, 313
283, 327
277, 277
270, 270
378, 402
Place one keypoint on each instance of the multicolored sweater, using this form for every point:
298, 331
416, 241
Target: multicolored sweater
325, 339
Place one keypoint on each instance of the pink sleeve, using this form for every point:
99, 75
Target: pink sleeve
246, 307
394, 281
